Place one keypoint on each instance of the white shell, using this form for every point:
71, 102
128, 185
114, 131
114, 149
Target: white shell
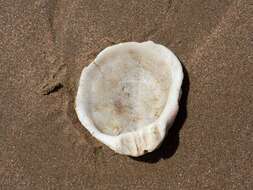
128, 96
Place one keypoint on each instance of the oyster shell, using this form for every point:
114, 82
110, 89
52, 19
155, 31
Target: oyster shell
128, 96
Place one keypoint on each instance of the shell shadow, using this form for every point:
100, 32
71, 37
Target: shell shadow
171, 142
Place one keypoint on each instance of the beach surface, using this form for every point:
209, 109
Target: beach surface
45, 44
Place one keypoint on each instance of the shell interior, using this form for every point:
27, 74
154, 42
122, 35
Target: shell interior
128, 89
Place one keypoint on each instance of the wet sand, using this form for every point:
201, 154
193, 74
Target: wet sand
44, 45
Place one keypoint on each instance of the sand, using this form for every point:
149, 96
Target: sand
44, 45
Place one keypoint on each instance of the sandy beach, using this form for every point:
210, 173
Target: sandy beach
44, 45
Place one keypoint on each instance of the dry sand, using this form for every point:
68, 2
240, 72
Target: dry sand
44, 45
